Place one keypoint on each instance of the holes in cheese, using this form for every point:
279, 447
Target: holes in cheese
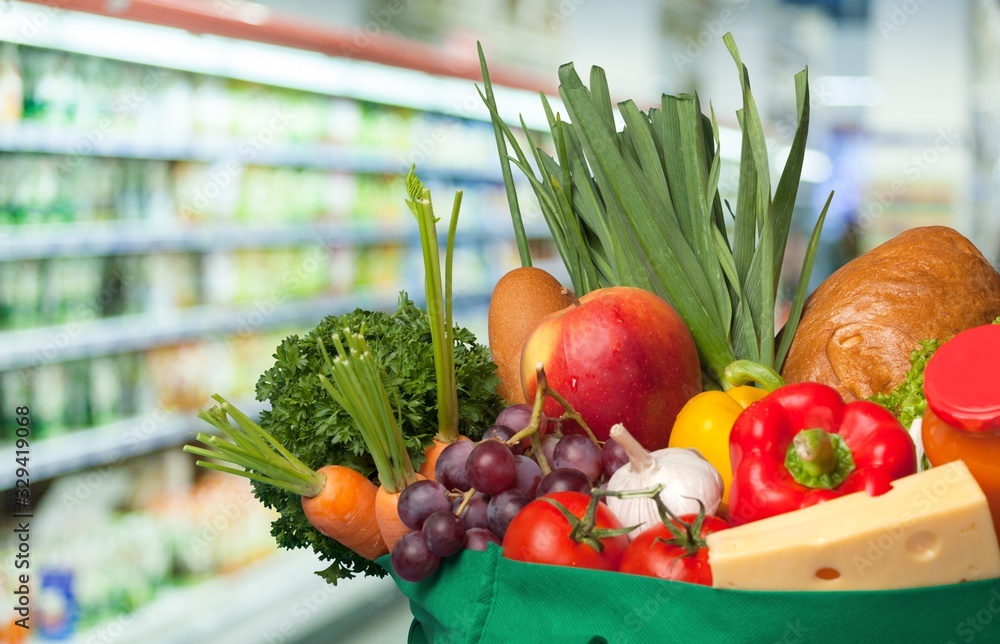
923, 545
931, 528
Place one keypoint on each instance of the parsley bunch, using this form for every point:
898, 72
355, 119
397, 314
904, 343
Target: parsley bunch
317, 430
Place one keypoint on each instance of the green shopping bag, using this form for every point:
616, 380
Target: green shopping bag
481, 597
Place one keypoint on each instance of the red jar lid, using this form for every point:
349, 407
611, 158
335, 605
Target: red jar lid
961, 380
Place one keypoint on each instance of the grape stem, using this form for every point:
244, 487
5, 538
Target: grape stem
466, 497
531, 430
542, 389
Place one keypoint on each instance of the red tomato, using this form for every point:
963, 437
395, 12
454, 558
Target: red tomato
649, 555
541, 534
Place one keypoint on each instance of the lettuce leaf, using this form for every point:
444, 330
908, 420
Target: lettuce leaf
907, 400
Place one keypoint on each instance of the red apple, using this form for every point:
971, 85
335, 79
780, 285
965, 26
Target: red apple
622, 355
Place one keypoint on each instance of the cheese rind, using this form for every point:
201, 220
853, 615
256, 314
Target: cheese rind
932, 528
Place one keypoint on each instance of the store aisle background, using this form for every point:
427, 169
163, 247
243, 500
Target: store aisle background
147, 264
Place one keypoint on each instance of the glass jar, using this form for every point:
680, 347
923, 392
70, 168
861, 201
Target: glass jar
962, 420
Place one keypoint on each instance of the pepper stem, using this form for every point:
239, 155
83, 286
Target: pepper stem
819, 459
744, 372
816, 450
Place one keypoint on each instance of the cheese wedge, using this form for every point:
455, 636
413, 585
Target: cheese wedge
932, 528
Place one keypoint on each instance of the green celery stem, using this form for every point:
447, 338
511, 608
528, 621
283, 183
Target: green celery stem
816, 450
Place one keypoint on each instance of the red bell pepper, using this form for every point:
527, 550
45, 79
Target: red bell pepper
802, 444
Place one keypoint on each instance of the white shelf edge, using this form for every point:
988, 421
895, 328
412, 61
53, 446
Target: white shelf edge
134, 237
35, 138
31, 348
109, 444
275, 65
34, 347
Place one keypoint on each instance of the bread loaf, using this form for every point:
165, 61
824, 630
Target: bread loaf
860, 325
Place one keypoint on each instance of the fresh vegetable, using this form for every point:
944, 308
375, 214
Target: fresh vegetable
688, 482
314, 427
566, 529
802, 444
704, 424
907, 401
640, 207
336, 500
439, 312
356, 384
674, 549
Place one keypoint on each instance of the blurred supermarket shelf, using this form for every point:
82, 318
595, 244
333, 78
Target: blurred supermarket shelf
29, 348
277, 599
44, 139
98, 239
110, 444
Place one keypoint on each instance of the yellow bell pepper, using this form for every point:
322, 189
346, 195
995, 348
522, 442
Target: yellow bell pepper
704, 424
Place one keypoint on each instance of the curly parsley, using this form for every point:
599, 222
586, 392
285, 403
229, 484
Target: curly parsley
310, 424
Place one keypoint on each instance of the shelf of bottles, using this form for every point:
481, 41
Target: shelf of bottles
161, 231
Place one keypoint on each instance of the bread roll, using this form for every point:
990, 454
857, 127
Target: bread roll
521, 298
860, 325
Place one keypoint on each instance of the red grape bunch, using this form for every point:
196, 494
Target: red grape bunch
480, 487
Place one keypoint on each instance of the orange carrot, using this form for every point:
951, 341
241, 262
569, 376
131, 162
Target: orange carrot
356, 384
432, 453
387, 515
345, 510
337, 501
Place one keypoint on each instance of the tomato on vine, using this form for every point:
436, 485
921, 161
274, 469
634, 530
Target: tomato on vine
676, 551
566, 529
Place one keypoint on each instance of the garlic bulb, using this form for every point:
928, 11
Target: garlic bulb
685, 474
